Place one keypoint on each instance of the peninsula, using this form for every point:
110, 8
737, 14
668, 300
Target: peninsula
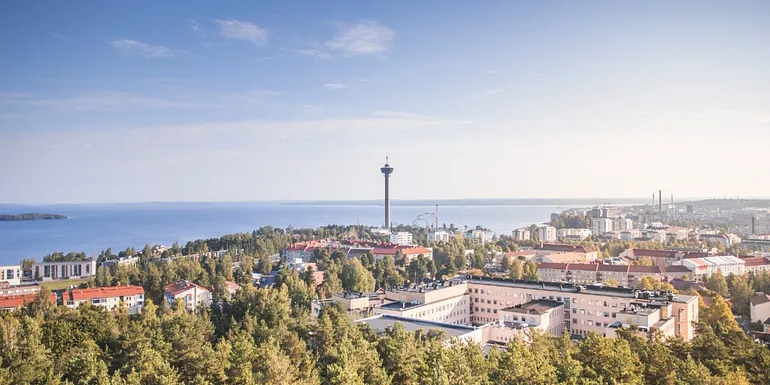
30, 217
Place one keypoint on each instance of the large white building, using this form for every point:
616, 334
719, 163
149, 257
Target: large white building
401, 238
522, 234
438, 236
706, 266
622, 224
193, 295
132, 297
546, 233
601, 225
760, 307
49, 271
477, 236
11, 274
491, 304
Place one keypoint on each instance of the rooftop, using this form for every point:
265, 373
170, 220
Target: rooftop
179, 287
565, 248
104, 292
398, 305
538, 306
759, 299
380, 322
14, 301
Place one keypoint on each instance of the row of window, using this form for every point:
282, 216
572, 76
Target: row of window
590, 323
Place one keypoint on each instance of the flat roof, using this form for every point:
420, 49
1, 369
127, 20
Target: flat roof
538, 306
567, 287
639, 311
398, 305
380, 322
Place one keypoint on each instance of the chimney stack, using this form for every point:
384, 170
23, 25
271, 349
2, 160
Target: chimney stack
660, 200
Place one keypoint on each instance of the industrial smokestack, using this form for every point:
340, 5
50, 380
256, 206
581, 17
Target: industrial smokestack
660, 200
672, 198
653, 202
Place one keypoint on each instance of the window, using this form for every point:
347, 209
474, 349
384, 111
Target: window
605, 304
614, 315
574, 320
606, 314
494, 302
590, 323
582, 311
574, 310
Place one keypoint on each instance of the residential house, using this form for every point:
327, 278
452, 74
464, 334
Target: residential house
720, 239
12, 302
760, 307
192, 294
109, 298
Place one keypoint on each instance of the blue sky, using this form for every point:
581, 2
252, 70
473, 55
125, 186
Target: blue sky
286, 100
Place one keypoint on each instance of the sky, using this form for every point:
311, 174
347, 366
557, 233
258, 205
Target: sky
286, 100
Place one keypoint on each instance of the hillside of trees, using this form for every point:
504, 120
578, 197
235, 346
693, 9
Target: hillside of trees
30, 217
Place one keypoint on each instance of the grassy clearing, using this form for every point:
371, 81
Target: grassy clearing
59, 285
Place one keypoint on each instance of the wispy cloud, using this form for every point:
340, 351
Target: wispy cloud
242, 30
362, 80
98, 101
195, 26
485, 93
59, 36
133, 47
365, 38
334, 86
318, 54
398, 115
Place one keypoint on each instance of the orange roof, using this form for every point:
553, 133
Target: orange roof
415, 250
177, 288
105, 292
757, 261
549, 265
14, 301
562, 248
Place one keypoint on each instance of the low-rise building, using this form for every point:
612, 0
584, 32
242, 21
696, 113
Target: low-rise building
409, 253
756, 264
107, 297
446, 302
113, 264
50, 271
7, 289
573, 234
715, 239
381, 322
544, 316
660, 257
357, 305
192, 294
622, 275
760, 307
750, 245
645, 317
401, 238
12, 302
11, 274
706, 266
545, 249
438, 236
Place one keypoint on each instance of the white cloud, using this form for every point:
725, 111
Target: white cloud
334, 86
133, 47
318, 54
485, 93
362, 80
242, 30
195, 26
398, 115
365, 38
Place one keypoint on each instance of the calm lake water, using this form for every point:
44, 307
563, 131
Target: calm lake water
92, 228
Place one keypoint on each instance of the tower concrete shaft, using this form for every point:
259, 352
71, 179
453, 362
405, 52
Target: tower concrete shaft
386, 171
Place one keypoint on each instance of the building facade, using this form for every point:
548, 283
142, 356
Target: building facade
193, 295
573, 234
546, 233
522, 234
401, 238
760, 307
51, 271
110, 298
11, 274
438, 236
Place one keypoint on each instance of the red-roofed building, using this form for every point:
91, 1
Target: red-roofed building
12, 302
660, 257
755, 265
232, 287
108, 297
546, 249
193, 295
302, 250
408, 252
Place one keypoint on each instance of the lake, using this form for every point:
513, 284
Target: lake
95, 227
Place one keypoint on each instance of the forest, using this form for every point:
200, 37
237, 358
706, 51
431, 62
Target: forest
30, 217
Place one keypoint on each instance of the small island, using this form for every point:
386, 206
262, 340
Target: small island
30, 217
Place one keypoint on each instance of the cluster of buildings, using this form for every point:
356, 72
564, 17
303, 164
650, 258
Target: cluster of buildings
494, 310
304, 251
622, 275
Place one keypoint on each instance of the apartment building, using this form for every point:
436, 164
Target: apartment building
756, 265
11, 274
545, 249
113, 264
623, 275
8, 289
522, 234
749, 245
438, 236
109, 298
357, 305
401, 238
586, 309
50, 271
601, 225
660, 257
622, 224
477, 236
546, 233
715, 239
573, 234
409, 253
193, 295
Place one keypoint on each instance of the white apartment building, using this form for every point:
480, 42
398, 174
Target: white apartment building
622, 224
438, 236
522, 234
655, 235
573, 234
193, 295
546, 233
49, 271
401, 238
11, 274
477, 236
601, 225
113, 264
446, 302
108, 297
